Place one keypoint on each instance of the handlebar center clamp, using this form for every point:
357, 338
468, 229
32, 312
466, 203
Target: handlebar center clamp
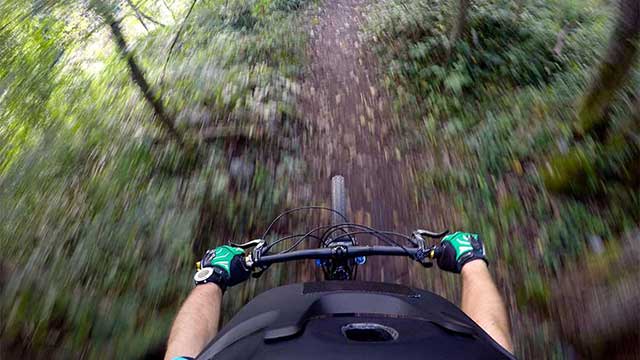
339, 251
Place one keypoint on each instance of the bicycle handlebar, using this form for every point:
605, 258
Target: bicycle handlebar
421, 255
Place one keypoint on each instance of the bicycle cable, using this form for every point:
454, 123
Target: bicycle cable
374, 231
303, 236
385, 232
313, 207
299, 241
369, 232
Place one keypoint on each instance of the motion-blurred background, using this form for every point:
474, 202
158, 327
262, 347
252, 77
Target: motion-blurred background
136, 134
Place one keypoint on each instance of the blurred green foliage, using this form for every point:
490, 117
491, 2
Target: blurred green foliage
493, 113
101, 216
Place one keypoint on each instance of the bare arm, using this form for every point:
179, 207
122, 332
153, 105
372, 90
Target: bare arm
482, 302
196, 323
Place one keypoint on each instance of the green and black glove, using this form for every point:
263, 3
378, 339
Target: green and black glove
458, 249
223, 266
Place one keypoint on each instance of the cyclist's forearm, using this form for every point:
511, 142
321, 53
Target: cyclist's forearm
196, 323
482, 302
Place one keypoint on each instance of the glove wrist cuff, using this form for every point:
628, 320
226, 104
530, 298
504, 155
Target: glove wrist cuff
462, 263
211, 274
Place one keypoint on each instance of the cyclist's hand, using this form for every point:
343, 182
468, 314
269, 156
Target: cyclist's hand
228, 265
458, 249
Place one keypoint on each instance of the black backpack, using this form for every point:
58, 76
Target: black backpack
351, 320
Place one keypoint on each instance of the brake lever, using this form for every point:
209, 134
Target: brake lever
249, 244
254, 255
425, 255
431, 234
417, 237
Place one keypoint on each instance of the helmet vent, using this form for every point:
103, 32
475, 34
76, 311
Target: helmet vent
369, 332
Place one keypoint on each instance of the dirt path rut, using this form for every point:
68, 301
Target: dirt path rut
350, 120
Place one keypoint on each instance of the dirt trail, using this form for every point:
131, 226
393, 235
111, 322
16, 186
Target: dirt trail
350, 120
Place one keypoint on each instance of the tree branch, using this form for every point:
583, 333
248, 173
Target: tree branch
173, 15
137, 76
140, 14
175, 40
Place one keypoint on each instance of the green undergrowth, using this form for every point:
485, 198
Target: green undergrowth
101, 215
496, 109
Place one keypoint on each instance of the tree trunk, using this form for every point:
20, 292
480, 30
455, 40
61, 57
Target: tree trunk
137, 76
580, 173
577, 172
459, 26
612, 73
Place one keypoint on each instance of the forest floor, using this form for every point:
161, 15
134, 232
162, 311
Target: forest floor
353, 132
